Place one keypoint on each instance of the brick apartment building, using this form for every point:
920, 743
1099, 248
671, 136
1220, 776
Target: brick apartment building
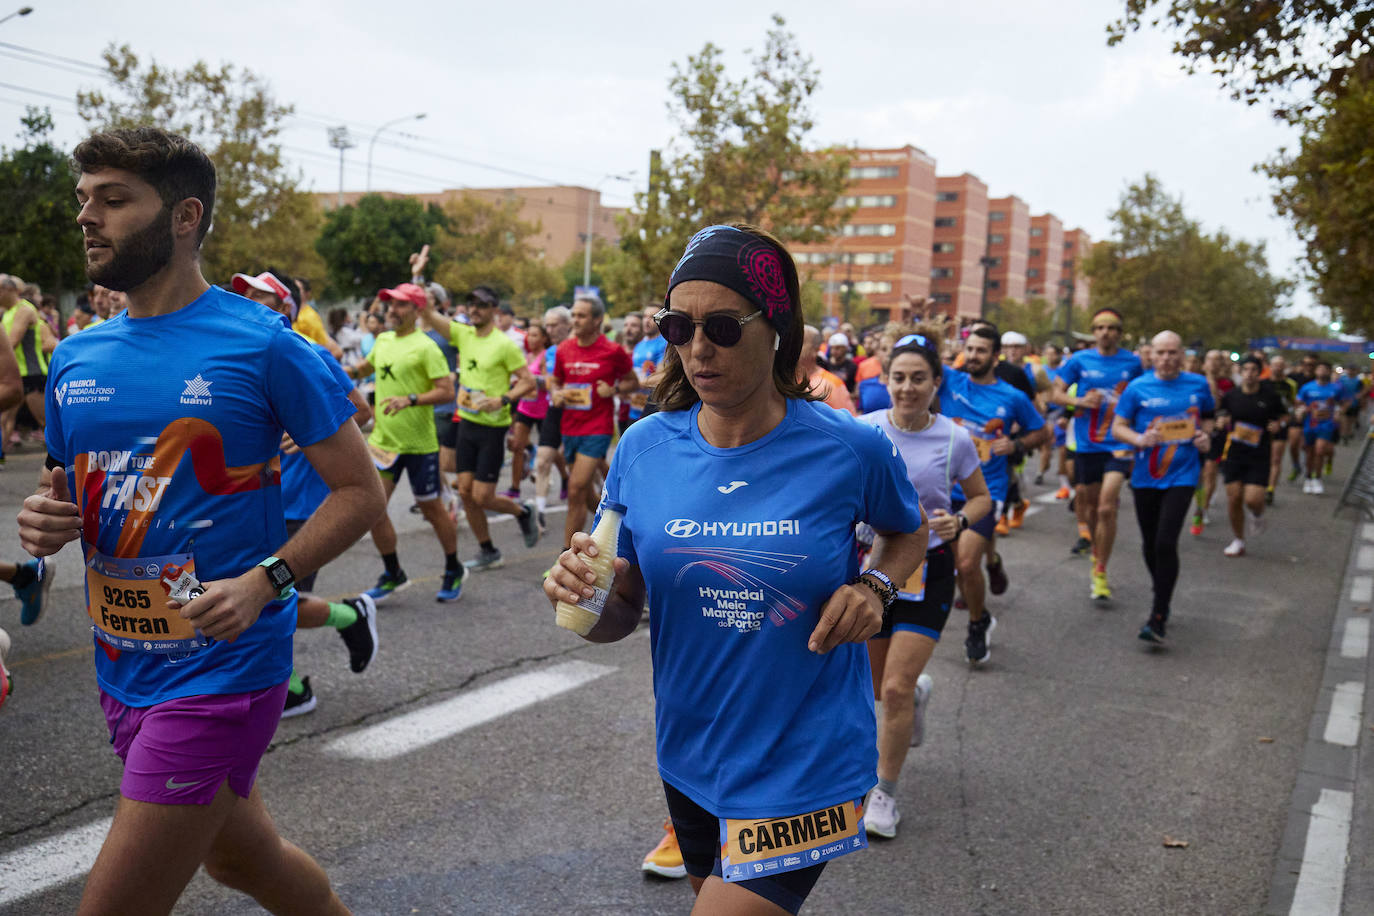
1077, 245
884, 253
1009, 248
560, 212
961, 232
1045, 260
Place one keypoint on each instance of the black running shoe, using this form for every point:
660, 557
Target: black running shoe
298, 704
1081, 546
976, 647
997, 575
1153, 631
361, 635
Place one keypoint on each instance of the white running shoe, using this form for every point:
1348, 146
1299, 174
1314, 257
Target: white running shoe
1318, 488
1254, 525
924, 686
880, 814
1235, 549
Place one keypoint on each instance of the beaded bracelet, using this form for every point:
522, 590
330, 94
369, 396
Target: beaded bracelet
886, 593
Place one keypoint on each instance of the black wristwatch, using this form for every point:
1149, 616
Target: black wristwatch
414, 398
505, 400
280, 576
963, 521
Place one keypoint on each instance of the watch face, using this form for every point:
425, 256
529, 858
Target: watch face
279, 575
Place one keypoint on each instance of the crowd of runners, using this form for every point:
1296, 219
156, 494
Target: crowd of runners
284, 440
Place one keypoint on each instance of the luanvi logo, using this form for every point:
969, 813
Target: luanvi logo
197, 391
734, 485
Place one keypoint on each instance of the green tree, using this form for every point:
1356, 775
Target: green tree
261, 215
366, 246
1039, 319
1326, 188
487, 243
1290, 50
1160, 270
742, 156
608, 267
41, 242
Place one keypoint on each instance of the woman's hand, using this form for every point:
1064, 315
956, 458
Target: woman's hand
570, 579
852, 614
944, 525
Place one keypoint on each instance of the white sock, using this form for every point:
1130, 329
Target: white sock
540, 503
1063, 480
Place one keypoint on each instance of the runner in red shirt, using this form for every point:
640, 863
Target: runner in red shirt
587, 371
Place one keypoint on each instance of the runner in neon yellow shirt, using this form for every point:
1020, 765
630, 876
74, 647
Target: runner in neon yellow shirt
412, 376
487, 359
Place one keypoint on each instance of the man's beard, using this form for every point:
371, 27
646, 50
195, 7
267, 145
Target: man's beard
137, 256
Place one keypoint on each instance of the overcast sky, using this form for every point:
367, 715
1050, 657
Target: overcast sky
1026, 95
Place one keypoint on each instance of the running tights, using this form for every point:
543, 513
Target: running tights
1160, 513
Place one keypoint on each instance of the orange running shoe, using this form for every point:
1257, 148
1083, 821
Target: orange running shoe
666, 858
1062, 493
1003, 526
1018, 514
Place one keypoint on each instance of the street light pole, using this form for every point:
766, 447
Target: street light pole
340, 140
372, 145
591, 212
22, 11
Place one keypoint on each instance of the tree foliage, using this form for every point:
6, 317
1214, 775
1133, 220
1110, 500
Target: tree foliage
1160, 270
41, 242
261, 215
741, 155
366, 246
480, 242
1038, 318
1327, 189
1293, 50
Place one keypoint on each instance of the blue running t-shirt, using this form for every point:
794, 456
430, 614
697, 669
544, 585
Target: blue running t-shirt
1174, 408
302, 488
1322, 402
739, 549
175, 453
648, 357
987, 412
1092, 371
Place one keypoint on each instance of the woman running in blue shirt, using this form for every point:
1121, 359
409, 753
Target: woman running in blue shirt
741, 496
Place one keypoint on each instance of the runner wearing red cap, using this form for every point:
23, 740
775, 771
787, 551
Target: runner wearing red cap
412, 377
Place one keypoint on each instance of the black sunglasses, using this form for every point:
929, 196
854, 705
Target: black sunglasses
722, 329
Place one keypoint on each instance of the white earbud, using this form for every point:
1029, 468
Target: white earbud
777, 341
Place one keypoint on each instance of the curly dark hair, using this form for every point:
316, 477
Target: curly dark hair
175, 167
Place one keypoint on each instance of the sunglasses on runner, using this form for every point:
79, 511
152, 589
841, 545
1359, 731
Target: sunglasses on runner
722, 329
919, 340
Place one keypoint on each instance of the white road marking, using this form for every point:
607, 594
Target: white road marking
1361, 589
50, 862
1321, 877
1347, 708
1364, 558
1355, 639
1048, 497
1369, 531
414, 730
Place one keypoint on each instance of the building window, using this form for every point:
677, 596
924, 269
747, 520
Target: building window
868, 172
1035, 252
943, 248
941, 273
943, 298
946, 196
862, 287
1033, 272
1068, 246
1036, 232
863, 258
996, 239
1068, 264
946, 222
868, 200
1035, 292
884, 229
994, 262
873, 257
997, 216
994, 284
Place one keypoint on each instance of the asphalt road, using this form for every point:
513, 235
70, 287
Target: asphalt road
1048, 782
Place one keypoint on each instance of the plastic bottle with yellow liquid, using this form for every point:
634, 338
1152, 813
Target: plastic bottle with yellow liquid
582, 616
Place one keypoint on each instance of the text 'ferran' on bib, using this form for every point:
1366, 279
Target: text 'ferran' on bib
127, 602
